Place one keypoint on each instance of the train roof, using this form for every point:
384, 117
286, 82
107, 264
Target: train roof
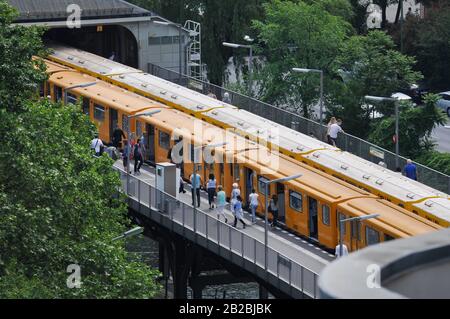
395, 219
102, 92
374, 175
136, 79
439, 207
247, 123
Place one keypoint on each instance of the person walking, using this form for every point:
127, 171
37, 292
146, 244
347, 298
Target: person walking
181, 186
211, 189
331, 122
125, 155
410, 170
273, 208
97, 145
221, 202
138, 158
334, 130
196, 183
238, 213
226, 98
253, 198
235, 192
337, 251
118, 134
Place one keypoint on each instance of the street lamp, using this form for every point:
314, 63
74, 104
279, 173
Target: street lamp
150, 113
341, 227
180, 29
133, 232
266, 211
300, 70
395, 100
250, 60
83, 85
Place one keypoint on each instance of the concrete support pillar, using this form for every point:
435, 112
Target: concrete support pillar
263, 292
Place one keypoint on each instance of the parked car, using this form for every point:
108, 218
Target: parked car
444, 102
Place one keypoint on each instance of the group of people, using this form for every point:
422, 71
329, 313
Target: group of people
236, 201
333, 129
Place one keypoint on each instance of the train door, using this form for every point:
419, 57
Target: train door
355, 235
281, 202
113, 122
87, 106
248, 184
313, 214
150, 142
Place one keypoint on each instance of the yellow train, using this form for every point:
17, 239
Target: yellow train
310, 205
413, 196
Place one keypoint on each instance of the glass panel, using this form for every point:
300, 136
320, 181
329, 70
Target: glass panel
372, 236
71, 98
164, 140
326, 215
99, 113
86, 106
388, 237
296, 201
125, 123
139, 129
58, 93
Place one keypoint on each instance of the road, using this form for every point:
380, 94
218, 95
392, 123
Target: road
441, 135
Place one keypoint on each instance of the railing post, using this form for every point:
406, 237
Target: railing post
182, 217
229, 237
206, 220
139, 191
301, 276
242, 244
278, 265
254, 248
218, 232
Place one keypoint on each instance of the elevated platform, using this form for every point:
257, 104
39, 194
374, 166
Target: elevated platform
293, 263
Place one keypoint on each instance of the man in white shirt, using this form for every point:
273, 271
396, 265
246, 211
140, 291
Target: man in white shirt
97, 145
334, 130
338, 251
253, 197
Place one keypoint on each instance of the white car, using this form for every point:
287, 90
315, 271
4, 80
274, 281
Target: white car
444, 102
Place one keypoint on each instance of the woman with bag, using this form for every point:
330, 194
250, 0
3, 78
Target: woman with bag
238, 212
211, 189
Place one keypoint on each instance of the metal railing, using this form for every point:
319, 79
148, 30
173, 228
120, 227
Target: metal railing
168, 208
345, 142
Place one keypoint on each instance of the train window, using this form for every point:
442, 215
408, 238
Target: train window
164, 140
356, 229
236, 172
262, 185
86, 106
71, 98
372, 236
99, 113
326, 215
58, 93
388, 237
221, 168
344, 227
125, 122
138, 129
42, 92
296, 201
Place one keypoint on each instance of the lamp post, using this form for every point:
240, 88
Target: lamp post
180, 50
250, 60
266, 211
129, 150
301, 70
395, 100
83, 85
341, 227
133, 232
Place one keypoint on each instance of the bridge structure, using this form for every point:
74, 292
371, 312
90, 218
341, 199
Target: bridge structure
189, 236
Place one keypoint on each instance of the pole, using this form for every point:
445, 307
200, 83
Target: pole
179, 52
250, 72
321, 97
340, 238
266, 227
397, 147
128, 155
401, 26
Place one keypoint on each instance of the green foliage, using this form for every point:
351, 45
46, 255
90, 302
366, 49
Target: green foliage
18, 72
297, 34
59, 207
436, 160
368, 65
415, 127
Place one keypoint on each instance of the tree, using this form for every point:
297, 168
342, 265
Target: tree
59, 204
415, 127
18, 72
297, 34
436, 160
368, 65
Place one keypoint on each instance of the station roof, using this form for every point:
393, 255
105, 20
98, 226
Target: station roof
56, 10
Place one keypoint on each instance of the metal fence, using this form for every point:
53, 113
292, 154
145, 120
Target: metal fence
346, 142
224, 235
